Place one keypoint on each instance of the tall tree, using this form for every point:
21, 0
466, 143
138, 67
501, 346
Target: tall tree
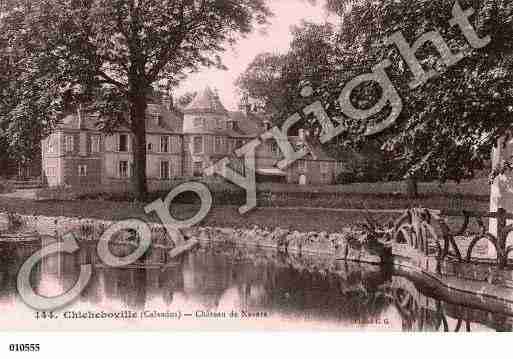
447, 126
111, 53
263, 82
274, 81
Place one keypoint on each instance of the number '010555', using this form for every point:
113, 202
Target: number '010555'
24, 347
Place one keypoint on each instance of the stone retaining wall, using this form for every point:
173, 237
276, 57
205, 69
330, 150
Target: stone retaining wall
343, 245
477, 281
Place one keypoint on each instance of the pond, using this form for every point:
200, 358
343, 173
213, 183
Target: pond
225, 287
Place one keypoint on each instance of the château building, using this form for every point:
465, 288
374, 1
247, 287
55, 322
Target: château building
181, 143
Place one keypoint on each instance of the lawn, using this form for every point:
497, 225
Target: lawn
228, 216
390, 195
478, 186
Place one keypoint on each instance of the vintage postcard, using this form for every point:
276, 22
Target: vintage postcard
242, 165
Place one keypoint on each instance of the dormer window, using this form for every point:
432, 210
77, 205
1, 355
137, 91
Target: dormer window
156, 118
219, 123
51, 145
229, 124
275, 149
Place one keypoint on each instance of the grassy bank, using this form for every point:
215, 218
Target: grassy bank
469, 195
271, 217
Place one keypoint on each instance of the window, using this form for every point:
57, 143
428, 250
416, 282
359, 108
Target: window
156, 118
95, 144
51, 145
197, 169
123, 143
51, 171
82, 170
68, 143
123, 169
275, 149
219, 123
302, 166
164, 170
239, 144
198, 122
267, 125
150, 147
229, 124
218, 145
197, 145
164, 144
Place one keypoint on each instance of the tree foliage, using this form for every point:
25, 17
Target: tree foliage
275, 81
110, 54
448, 126
184, 100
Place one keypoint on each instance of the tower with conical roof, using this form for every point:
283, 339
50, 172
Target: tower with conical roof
205, 126
205, 114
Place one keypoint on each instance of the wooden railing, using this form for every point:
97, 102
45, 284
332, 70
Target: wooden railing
417, 228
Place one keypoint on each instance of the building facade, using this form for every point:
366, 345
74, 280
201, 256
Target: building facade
179, 144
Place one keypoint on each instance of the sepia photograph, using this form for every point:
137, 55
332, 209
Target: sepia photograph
255, 165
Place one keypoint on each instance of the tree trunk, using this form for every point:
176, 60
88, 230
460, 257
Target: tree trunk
138, 107
412, 187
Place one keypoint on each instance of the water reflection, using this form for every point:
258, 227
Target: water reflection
222, 279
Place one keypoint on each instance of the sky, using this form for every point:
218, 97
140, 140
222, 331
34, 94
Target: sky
277, 40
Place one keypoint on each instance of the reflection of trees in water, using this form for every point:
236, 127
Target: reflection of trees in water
327, 296
9, 266
293, 285
127, 286
350, 293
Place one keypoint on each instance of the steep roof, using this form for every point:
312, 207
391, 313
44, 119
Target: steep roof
206, 102
251, 125
169, 123
73, 121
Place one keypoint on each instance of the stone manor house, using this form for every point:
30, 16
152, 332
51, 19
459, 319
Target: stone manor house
181, 143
